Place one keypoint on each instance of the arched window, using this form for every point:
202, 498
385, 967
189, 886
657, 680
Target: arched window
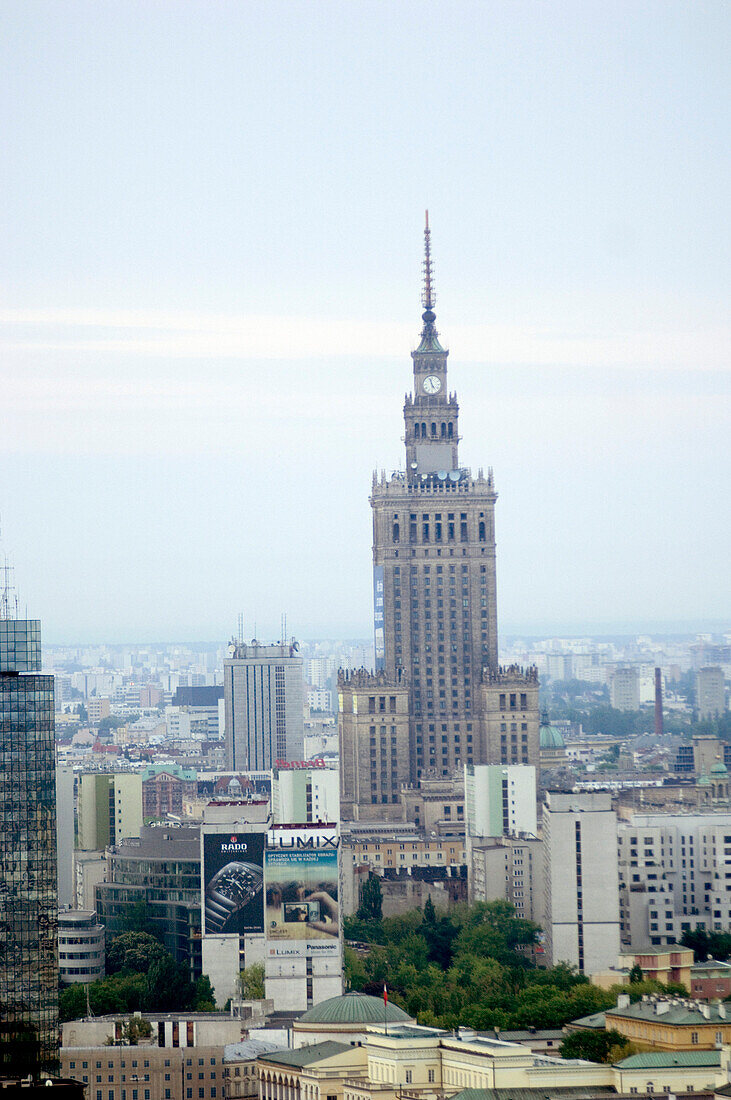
443, 430
433, 429
450, 431
395, 532
482, 530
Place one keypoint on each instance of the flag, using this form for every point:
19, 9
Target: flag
385, 995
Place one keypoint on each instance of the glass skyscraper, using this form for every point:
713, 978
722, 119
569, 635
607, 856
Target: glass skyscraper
28, 892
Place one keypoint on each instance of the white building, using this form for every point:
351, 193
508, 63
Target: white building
305, 794
710, 688
512, 868
81, 954
500, 799
582, 885
674, 873
624, 689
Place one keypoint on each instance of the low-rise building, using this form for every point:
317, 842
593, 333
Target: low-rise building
81, 954
664, 1023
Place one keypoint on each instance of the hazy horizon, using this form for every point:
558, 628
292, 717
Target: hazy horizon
212, 222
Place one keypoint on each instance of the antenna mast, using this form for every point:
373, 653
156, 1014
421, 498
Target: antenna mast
428, 298
241, 628
8, 595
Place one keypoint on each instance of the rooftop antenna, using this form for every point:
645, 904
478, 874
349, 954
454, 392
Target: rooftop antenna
284, 627
8, 595
241, 628
428, 298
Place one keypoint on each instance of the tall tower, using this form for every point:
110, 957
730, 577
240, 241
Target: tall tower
28, 889
434, 566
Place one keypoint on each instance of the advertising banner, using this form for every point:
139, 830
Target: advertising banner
378, 618
233, 883
302, 911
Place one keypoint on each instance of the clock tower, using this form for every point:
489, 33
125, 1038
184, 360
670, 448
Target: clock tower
431, 413
435, 613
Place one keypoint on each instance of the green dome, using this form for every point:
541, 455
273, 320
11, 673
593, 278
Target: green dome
719, 769
549, 736
704, 781
354, 1008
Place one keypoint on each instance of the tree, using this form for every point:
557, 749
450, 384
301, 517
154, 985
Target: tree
205, 998
133, 951
252, 982
594, 1046
138, 918
635, 974
168, 987
371, 899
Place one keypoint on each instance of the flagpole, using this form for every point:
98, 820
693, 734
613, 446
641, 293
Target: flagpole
385, 1007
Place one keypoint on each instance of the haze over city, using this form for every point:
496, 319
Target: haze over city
211, 282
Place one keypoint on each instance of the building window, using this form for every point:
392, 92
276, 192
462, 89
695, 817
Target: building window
409, 1076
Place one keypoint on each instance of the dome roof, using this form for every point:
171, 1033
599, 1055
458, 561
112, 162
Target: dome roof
354, 1008
704, 781
549, 736
719, 769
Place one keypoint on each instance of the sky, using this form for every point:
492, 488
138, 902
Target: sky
211, 217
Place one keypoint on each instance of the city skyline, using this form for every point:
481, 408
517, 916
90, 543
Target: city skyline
211, 286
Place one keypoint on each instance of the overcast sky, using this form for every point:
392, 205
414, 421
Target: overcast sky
210, 277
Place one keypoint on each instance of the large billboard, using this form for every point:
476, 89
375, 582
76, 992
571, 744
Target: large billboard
302, 909
233, 883
379, 636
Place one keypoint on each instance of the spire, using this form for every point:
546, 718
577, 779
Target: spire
429, 341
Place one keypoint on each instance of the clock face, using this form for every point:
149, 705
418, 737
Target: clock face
432, 384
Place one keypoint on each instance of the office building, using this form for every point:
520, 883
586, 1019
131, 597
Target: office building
165, 787
65, 834
710, 690
109, 808
28, 882
434, 580
581, 881
511, 868
624, 689
264, 705
81, 939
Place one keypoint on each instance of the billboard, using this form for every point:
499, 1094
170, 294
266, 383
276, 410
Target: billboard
378, 618
302, 911
233, 883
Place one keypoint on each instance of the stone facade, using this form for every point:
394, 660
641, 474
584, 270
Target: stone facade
374, 744
510, 716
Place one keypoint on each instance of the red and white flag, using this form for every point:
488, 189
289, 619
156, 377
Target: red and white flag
385, 995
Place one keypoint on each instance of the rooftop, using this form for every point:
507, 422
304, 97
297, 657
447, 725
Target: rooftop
678, 1012
306, 1056
660, 1059
354, 1008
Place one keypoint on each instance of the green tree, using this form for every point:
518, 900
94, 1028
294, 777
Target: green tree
594, 1046
371, 899
204, 998
252, 982
635, 974
133, 951
138, 918
168, 987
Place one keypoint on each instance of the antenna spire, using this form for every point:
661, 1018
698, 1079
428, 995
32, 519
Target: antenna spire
428, 298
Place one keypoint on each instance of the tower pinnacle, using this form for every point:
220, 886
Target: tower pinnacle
427, 298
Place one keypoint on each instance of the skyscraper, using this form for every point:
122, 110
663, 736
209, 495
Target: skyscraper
28, 891
435, 590
263, 691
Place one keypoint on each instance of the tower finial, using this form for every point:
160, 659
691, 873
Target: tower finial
428, 298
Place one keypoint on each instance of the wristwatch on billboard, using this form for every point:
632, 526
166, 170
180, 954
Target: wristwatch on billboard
230, 889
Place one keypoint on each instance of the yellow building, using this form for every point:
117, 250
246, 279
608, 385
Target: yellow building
664, 1023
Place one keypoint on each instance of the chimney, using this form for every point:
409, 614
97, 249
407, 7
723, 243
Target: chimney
661, 1007
721, 1010
623, 1000
658, 703
706, 1011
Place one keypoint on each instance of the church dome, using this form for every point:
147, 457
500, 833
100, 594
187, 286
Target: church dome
719, 768
354, 1008
704, 781
549, 736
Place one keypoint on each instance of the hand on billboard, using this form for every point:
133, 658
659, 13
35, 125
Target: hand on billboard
327, 905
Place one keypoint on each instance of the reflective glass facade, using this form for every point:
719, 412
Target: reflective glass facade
28, 901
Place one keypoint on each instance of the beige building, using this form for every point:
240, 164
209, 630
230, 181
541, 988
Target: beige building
624, 689
509, 867
394, 855
510, 716
109, 808
375, 751
665, 1023
710, 688
405, 1061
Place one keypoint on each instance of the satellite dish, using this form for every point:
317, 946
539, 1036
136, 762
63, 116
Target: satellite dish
424, 477
442, 475
454, 475
414, 465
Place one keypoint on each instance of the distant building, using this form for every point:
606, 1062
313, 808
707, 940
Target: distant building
165, 788
512, 868
28, 876
582, 886
305, 794
109, 808
97, 709
81, 955
264, 705
500, 799
624, 689
710, 688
